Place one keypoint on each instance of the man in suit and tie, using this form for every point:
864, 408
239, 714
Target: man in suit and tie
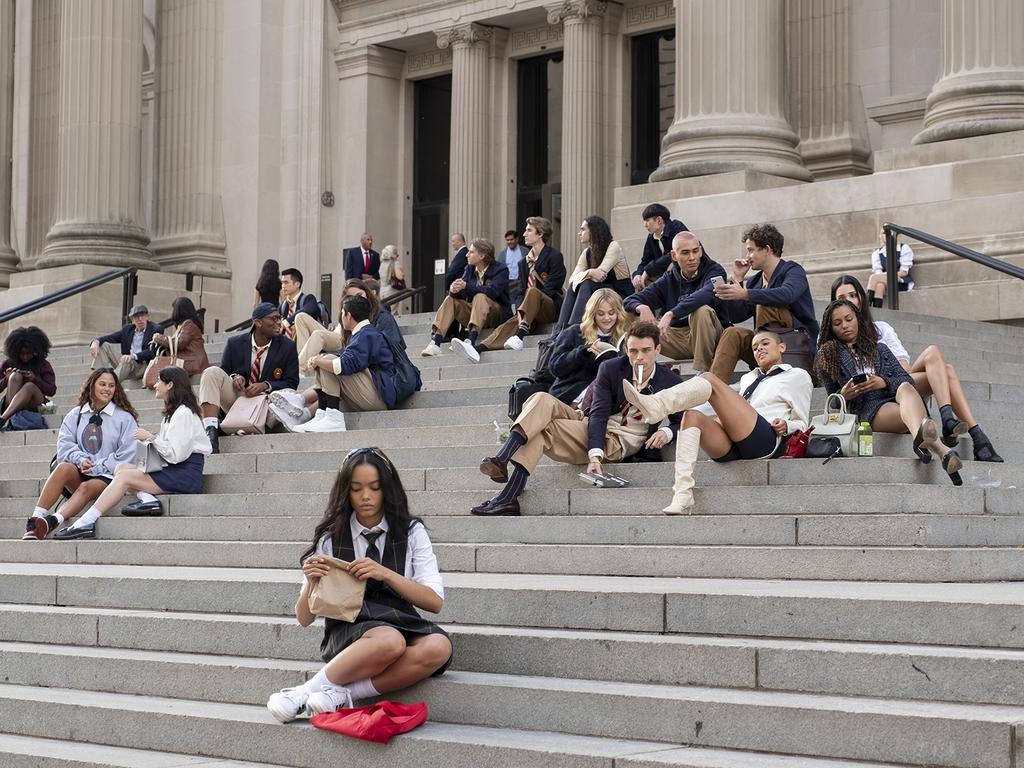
657, 255
511, 256
362, 261
127, 351
253, 363
460, 260
296, 302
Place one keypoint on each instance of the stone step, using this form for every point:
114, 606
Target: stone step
241, 732
990, 615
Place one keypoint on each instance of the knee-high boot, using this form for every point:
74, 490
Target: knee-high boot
654, 408
687, 448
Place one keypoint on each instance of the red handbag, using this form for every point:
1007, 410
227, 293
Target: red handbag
377, 722
796, 446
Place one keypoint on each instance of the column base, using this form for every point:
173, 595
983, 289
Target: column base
196, 253
836, 158
105, 243
715, 145
8, 264
974, 105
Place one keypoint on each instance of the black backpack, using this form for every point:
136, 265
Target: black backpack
407, 375
325, 314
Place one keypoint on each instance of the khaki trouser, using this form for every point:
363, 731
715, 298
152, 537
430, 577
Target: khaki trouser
559, 431
537, 307
317, 341
305, 327
356, 389
110, 357
216, 388
481, 313
698, 340
735, 342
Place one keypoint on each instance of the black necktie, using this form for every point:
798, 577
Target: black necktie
749, 391
371, 549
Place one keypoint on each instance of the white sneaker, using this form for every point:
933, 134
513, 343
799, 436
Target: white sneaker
289, 422
307, 425
330, 698
288, 703
431, 350
289, 401
330, 420
514, 343
466, 349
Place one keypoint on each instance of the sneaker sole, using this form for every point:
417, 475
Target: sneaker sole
459, 349
281, 716
279, 400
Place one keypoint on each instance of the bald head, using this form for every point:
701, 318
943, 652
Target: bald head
686, 253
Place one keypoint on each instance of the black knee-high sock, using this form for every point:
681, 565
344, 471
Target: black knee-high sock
473, 336
522, 330
516, 485
514, 442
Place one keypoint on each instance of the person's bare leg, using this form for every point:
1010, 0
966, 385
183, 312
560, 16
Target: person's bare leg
64, 475
423, 656
21, 396
713, 438
125, 481
368, 656
736, 415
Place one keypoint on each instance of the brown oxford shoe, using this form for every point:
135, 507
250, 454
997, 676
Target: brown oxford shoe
504, 509
494, 469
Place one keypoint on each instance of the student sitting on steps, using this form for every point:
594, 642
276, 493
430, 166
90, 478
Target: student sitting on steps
388, 646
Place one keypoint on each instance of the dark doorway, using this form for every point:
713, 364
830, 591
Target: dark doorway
539, 150
653, 108
432, 129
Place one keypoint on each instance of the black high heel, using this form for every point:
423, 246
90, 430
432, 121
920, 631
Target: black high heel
952, 427
951, 464
926, 432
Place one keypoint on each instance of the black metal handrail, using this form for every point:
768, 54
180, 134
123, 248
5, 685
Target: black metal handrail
892, 257
127, 295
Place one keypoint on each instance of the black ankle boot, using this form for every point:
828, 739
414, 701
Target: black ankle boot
871, 298
952, 427
877, 303
983, 450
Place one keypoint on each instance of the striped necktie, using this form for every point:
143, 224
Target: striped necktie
254, 374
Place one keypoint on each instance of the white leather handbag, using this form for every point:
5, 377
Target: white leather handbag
836, 422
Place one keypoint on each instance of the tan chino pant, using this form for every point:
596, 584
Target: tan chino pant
537, 307
735, 342
481, 313
558, 431
697, 341
110, 357
356, 389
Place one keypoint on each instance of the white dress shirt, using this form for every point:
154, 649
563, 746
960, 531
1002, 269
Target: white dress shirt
784, 396
906, 259
887, 335
181, 436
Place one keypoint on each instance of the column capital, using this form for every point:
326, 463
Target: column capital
576, 9
463, 34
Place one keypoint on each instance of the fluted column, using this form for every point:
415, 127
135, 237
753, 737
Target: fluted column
8, 259
100, 138
981, 90
468, 169
730, 92
825, 105
188, 230
582, 115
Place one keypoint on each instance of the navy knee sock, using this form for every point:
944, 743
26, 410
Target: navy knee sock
472, 337
516, 485
514, 442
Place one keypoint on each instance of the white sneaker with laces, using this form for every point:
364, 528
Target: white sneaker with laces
289, 422
288, 703
466, 349
331, 420
289, 401
514, 343
329, 698
431, 350
307, 425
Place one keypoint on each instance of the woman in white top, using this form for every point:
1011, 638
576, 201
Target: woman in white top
388, 646
932, 375
601, 265
877, 279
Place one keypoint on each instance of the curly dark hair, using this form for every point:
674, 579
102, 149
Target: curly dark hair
765, 235
183, 309
180, 393
120, 396
339, 506
269, 281
864, 347
31, 338
600, 239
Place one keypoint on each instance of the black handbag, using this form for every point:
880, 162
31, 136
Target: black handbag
541, 373
826, 448
520, 392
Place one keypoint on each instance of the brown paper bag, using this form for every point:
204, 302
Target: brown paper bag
337, 595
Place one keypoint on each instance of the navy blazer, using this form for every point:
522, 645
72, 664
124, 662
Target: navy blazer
550, 268
304, 302
368, 349
653, 262
572, 364
787, 288
355, 268
608, 397
127, 333
494, 286
280, 364
674, 292
457, 268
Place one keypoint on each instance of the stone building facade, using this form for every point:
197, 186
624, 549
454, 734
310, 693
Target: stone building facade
205, 136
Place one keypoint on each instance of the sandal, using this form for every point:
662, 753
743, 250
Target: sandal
927, 432
951, 464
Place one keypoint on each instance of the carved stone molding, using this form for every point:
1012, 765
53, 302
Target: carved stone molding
428, 60
464, 34
368, 60
535, 37
650, 15
576, 9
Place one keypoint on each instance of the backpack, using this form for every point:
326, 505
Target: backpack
407, 375
325, 314
520, 392
24, 421
541, 373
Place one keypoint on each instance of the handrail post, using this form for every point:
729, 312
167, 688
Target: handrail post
892, 270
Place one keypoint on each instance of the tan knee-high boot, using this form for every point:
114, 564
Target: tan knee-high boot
687, 448
654, 408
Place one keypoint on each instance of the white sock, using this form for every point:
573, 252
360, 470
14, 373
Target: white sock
91, 515
211, 421
317, 681
145, 497
40, 512
362, 689
59, 516
306, 415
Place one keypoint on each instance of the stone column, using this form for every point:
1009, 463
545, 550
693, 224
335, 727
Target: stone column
981, 90
188, 229
730, 92
582, 116
825, 105
468, 169
8, 259
100, 137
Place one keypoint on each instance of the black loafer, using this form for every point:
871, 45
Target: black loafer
143, 509
490, 509
84, 532
213, 433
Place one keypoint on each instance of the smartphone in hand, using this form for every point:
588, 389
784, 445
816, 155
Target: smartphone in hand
860, 378
716, 281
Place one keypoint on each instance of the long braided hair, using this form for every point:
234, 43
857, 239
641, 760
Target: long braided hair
827, 363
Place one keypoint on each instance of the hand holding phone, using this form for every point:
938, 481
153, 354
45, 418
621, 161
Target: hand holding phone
860, 378
717, 280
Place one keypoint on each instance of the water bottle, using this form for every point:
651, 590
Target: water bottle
865, 440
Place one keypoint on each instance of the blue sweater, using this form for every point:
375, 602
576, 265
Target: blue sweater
674, 292
368, 349
787, 288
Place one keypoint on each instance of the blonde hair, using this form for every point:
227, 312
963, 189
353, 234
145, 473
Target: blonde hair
588, 325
